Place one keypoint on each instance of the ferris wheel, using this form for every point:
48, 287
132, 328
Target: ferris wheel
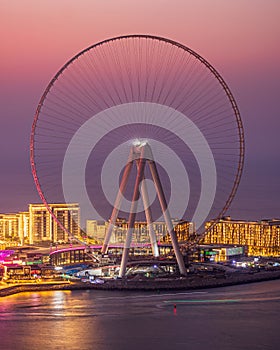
133, 89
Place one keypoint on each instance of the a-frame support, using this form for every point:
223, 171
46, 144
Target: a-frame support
142, 154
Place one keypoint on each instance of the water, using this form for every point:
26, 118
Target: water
237, 317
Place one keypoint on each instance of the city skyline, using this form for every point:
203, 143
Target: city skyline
139, 113
37, 227
245, 52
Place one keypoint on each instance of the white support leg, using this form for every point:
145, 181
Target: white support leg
149, 219
140, 154
117, 205
132, 215
167, 217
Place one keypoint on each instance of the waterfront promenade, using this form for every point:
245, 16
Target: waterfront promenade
196, 281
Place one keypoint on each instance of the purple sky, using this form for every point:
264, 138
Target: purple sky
239, 38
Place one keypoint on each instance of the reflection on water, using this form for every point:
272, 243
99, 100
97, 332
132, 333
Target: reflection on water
237, 317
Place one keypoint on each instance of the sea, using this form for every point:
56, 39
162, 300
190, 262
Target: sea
229, 318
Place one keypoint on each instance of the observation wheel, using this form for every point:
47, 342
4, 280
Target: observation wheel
138, 88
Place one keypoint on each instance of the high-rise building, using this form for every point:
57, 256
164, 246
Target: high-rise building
38, 226
9, 224
43, 228
262, 238
23, 227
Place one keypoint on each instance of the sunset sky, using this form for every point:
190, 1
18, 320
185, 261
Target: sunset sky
240, 38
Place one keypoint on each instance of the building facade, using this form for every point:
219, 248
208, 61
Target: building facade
97, 230
261, 238
9, 228
23, 227
43, 228
37, 226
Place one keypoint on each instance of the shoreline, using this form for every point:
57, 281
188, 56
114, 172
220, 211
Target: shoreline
184, 283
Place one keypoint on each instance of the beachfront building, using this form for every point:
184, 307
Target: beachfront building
43, 227
261, 238
23, 227
9, 227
